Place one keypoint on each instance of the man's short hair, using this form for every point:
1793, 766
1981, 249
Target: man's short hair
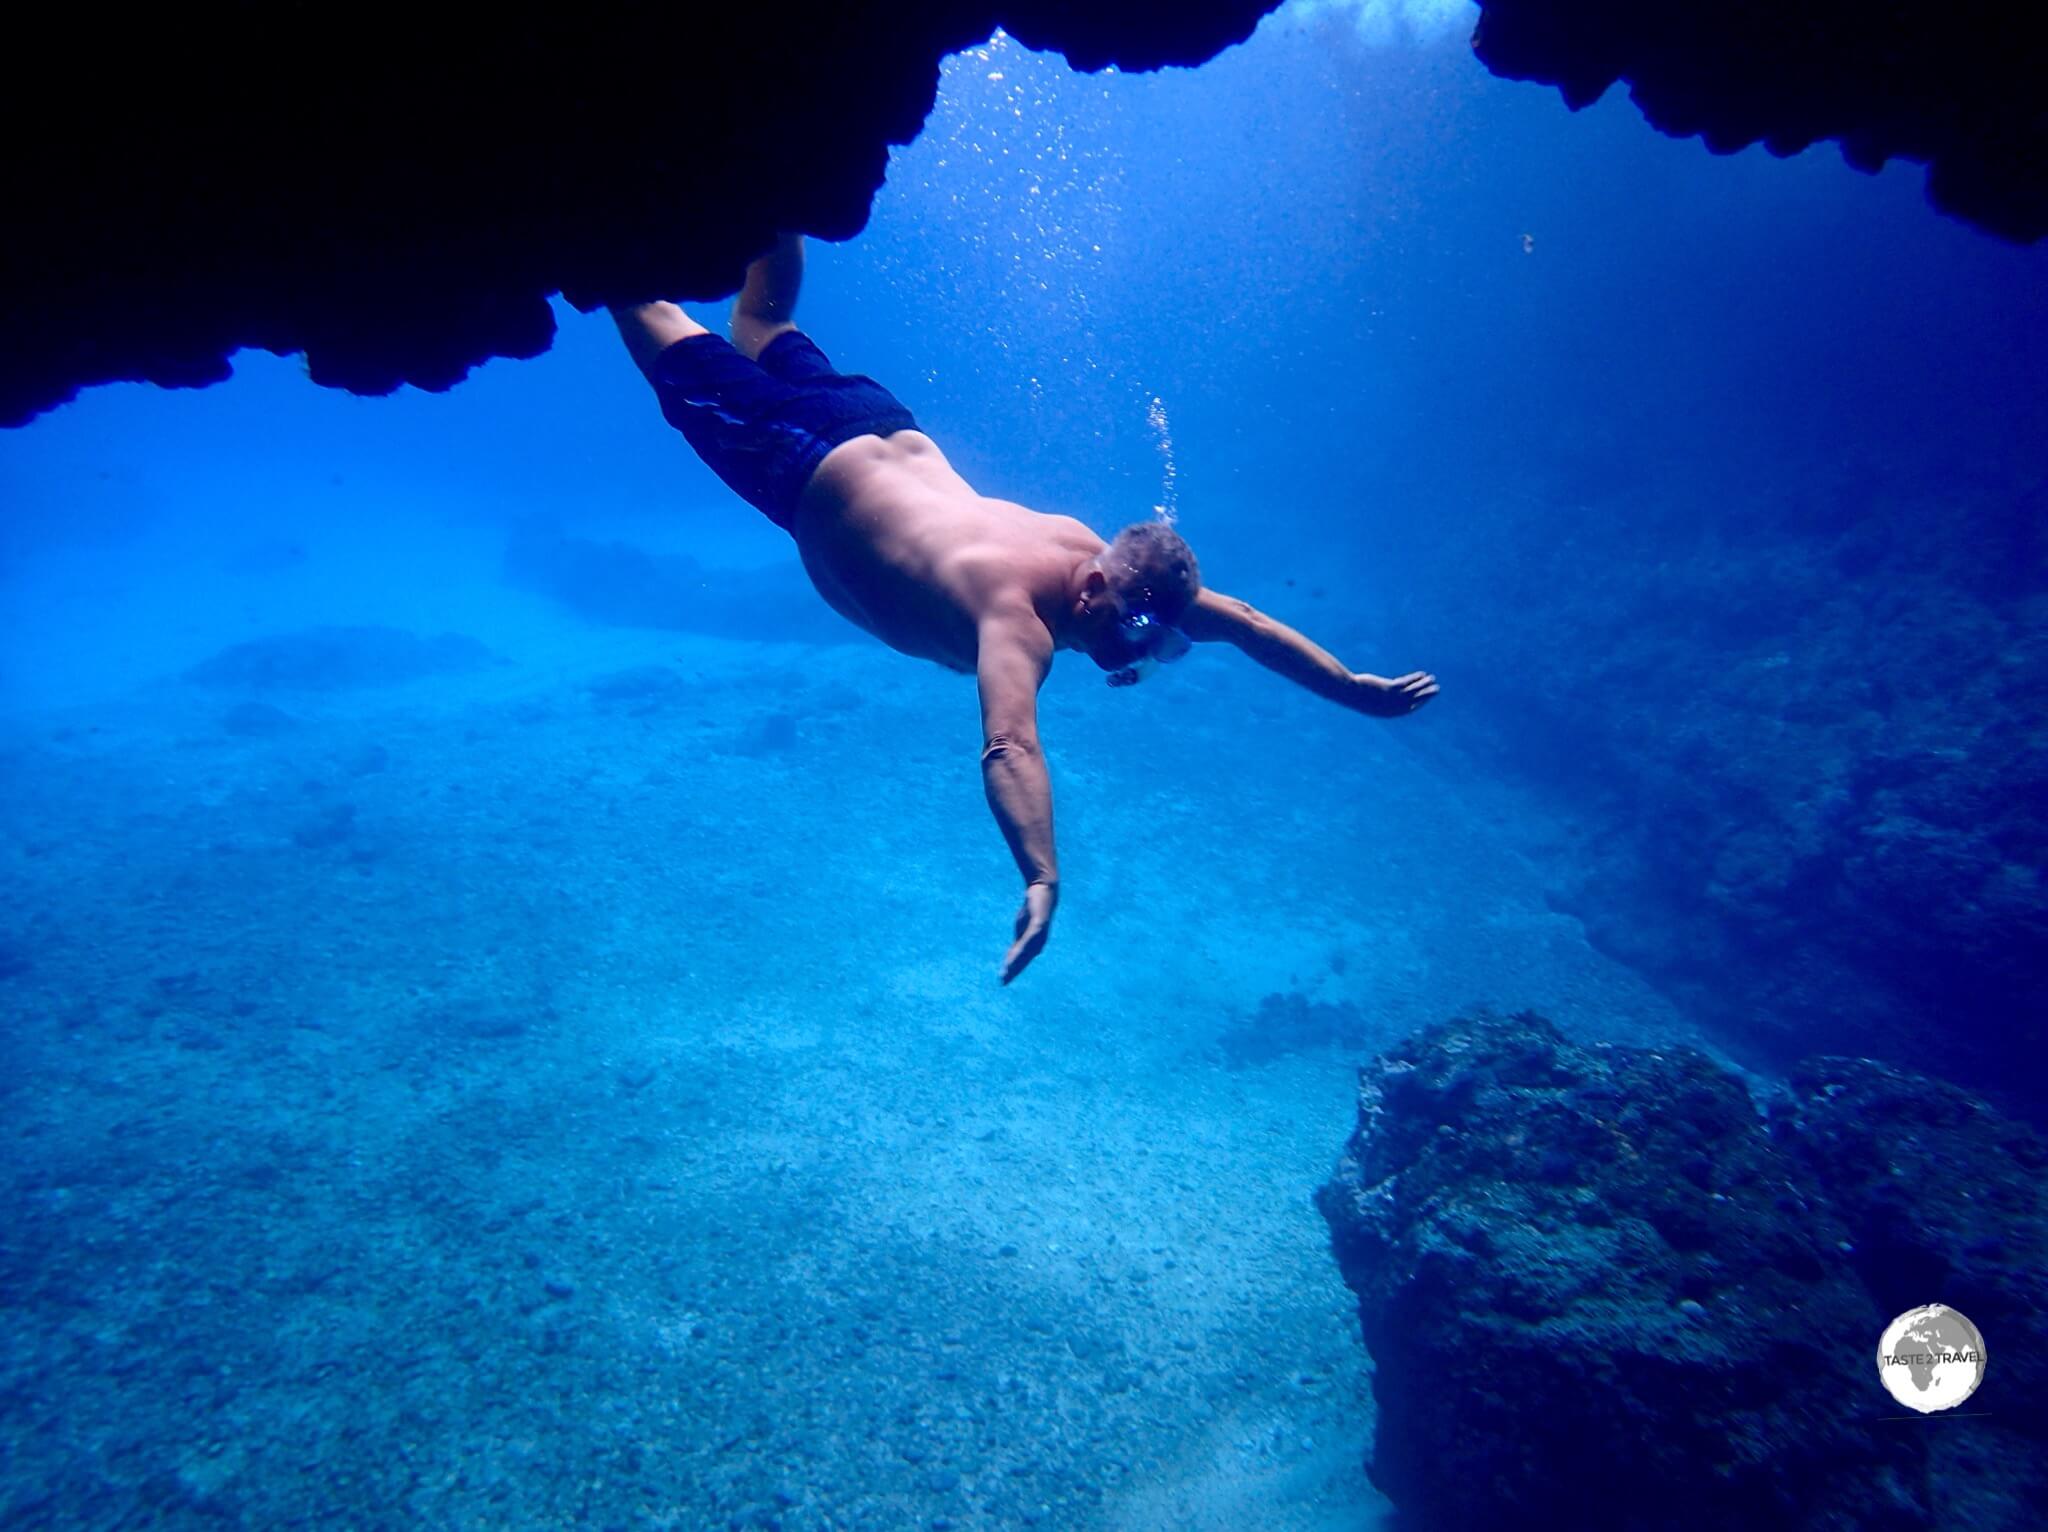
1151, 566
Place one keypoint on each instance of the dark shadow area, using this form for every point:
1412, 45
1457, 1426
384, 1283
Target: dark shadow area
1954, 86
420, 184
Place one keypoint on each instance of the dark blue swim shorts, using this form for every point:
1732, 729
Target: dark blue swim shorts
764, 427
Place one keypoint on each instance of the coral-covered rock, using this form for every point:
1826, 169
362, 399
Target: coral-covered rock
1590, 1277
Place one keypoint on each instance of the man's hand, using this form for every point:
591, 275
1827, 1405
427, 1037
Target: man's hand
1378, 697
1218, 618
1034, 925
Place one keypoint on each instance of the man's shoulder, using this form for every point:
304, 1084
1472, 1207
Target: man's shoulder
1001, 575
1008, 616
1010, 611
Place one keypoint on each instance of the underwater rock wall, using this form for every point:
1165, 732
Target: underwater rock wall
396, 192
1596, 1278
1806, 744
1940, 1195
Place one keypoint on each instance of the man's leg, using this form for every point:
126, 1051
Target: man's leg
766, 305
651, 328
760, 313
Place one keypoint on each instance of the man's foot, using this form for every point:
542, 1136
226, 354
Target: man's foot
766, 306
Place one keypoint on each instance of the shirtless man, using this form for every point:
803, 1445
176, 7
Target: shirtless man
901, 545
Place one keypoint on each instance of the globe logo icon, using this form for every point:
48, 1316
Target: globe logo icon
1931, 1358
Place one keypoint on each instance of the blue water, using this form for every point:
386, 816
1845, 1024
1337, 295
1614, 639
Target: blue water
559, 1078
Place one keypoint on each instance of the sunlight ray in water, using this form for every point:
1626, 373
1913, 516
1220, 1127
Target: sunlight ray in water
1388, 23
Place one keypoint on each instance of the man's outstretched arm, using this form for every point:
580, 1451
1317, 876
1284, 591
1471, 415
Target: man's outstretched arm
1015, 652
1216, 618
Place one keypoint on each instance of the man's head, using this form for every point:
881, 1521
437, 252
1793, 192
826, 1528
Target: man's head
1130, 595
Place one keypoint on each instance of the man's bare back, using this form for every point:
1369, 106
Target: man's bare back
900, 544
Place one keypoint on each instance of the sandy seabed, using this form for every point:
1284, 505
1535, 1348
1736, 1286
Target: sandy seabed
499, 1102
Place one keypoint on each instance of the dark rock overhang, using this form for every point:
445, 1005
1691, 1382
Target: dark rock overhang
396, 190
1956, 86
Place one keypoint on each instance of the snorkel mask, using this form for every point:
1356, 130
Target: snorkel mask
1138, 641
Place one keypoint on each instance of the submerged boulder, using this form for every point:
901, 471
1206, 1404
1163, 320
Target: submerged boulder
257, 720
1292, 1023
615, 584
337, 659
1597, 1278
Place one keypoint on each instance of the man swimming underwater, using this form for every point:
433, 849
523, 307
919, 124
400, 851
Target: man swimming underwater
901, 545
